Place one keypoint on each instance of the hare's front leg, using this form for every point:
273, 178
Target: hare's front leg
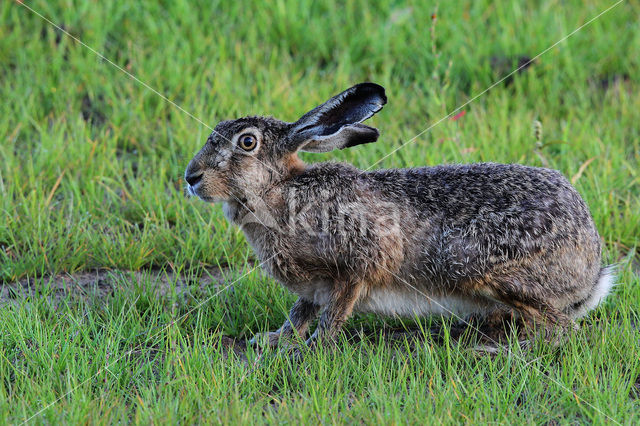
340, 306
301, 314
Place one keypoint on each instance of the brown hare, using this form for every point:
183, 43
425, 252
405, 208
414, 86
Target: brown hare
477, 239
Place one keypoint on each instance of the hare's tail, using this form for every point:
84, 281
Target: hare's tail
606, 281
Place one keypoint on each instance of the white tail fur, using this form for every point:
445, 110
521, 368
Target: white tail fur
605, 283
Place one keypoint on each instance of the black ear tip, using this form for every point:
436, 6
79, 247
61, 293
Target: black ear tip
365, 134
372, 89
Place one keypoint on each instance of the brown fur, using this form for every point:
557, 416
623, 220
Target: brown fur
458, 240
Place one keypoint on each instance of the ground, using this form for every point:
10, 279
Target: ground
122, 300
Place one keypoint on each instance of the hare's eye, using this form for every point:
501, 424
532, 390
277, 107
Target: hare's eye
248, 142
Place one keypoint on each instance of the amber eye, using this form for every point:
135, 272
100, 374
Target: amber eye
247, 142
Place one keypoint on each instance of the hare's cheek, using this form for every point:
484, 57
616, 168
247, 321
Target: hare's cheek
255, 175
214, 187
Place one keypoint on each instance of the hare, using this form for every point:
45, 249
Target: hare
476, 239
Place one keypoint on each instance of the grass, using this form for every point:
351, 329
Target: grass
90, 178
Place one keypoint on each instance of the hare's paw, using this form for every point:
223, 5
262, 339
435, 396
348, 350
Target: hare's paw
297, 351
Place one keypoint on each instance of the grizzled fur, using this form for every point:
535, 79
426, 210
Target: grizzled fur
456, 239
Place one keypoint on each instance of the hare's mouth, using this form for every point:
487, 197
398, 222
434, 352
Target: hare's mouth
192, 191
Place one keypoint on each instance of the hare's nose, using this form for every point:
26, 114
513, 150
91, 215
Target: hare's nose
193, 178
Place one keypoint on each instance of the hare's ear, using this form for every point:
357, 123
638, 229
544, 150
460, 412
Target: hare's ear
335, 123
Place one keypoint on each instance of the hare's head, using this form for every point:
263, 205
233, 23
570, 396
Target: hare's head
250, 154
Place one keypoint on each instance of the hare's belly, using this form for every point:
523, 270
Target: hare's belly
407, 303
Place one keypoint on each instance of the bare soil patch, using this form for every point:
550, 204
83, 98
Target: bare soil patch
102, 283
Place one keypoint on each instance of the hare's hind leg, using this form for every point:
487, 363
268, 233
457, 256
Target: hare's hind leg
527, 298
490, 330
301, 314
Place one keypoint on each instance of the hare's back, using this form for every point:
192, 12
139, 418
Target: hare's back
473, 192
469, 219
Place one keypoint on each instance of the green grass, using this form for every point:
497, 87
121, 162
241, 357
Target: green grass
90, 177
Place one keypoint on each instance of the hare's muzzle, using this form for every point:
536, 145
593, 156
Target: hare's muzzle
193, 178
193, 173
